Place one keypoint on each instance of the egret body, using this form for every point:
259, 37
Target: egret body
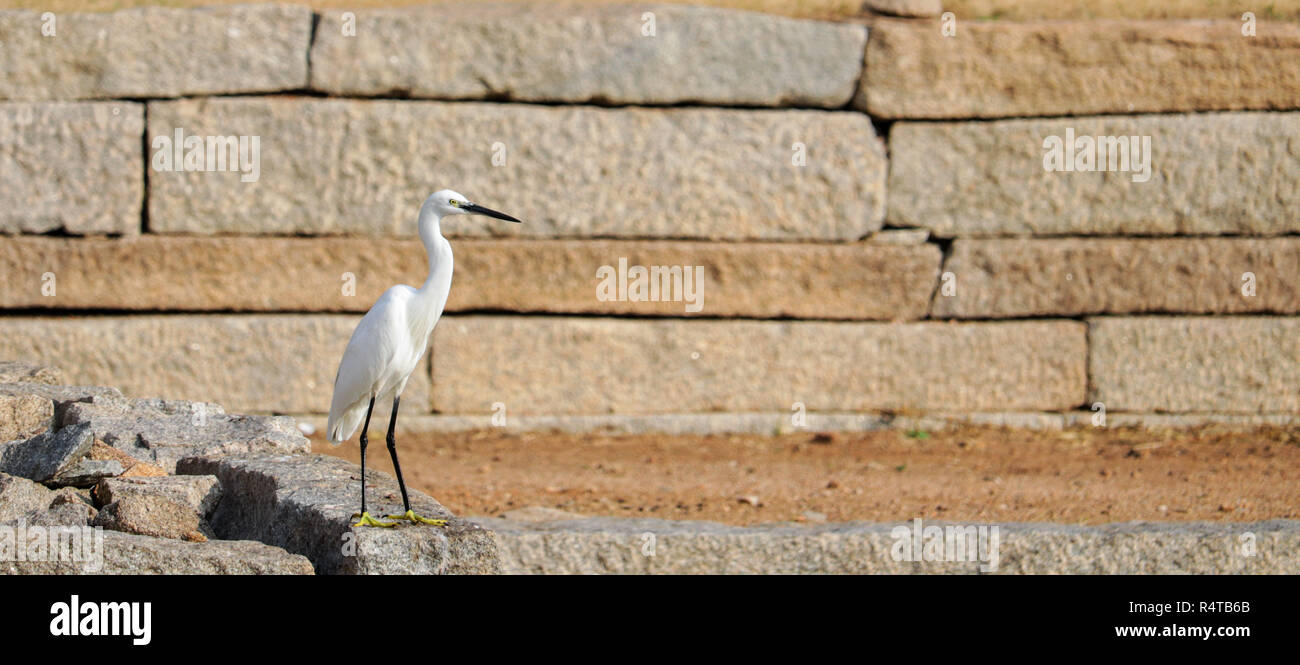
390, 340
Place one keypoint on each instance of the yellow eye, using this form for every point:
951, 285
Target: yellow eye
454, 203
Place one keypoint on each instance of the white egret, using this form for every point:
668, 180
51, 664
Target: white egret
390, 341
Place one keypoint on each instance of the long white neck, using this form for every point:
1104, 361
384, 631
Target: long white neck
432, 296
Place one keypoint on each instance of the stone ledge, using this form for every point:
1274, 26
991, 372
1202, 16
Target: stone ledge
155, 52
131, 554
696, 55
1001, 69
304, 504
599, 545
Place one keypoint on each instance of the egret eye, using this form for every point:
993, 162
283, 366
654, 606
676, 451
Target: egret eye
454, 203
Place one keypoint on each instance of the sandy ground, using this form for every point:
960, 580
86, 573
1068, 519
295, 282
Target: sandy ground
1081, 476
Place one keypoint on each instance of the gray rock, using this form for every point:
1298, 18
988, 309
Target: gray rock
988, 178
201, 493
163, 436
24, 416
86, 473
12, 371
72, 495
304, 504
156, 52
66, 396
63, 514
151, 515
52, 182
629, 546
43, 457
131, 554
19, 496
731, 171
696, 54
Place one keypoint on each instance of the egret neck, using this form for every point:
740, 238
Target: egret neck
431, 297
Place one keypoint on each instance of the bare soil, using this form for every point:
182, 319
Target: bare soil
1079, 476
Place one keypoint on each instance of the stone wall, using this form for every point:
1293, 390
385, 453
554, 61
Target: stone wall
868, 203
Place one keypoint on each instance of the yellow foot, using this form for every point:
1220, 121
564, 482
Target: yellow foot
410, 515
367, 520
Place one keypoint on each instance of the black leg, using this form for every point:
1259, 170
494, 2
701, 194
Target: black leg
392, 451
364, 429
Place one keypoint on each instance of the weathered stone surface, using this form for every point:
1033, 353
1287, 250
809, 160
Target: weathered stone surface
63, 514
64, 397
201, 493
53, 181
1239, 364
132, 467
86, 473
163, 436
131, 554
1212, 173
304, 503
509, 51
24, 416
1069, 277
904, 8
620, 546
20, 372
249, 274
19, 496
353, 166
1000, 69
43, 457
151, 515
551, 366
155, 52
249, 363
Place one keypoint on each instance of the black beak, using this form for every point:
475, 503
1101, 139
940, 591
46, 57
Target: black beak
480, 210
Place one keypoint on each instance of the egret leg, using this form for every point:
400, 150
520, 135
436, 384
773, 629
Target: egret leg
366, 519
406, 501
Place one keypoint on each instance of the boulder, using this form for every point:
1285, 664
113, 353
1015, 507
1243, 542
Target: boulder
22, 372
25, 416
19, 496
86, 473
200, 493
131, 554
43, 457
151, 515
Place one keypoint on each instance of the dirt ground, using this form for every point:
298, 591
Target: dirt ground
1078, 476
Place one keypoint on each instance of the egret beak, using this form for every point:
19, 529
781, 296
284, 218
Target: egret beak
477, 209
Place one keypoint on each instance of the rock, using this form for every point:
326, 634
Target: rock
151, 515
156, 52
132, 468
201, 493
24, 416
63, 514
236, 360
72, 495
43, 457
563, 366
987, 178
540, 514
52, 183
1188, 364
756, 280
695, 55
162, 439
733, 171
21, 372
64, 397
904, 8
129, 554
999, 69
1006, 278
86, 473
304, 503
19, 496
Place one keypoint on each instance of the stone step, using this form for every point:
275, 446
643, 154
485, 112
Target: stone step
999, 69
758, 280
364, 167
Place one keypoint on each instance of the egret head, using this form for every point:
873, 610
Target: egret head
446, 202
